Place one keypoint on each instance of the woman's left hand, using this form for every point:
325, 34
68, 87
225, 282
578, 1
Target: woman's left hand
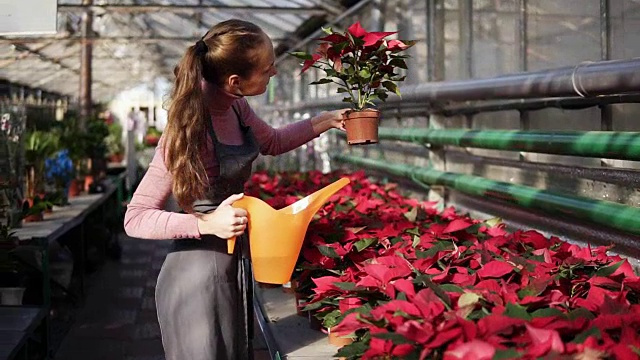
327, 120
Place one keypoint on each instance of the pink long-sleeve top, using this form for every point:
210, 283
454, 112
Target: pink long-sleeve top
145, 217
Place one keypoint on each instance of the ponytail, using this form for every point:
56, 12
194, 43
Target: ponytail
184, 137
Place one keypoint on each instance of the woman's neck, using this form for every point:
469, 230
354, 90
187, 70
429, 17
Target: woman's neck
217, 99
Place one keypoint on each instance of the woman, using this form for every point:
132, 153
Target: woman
204, 157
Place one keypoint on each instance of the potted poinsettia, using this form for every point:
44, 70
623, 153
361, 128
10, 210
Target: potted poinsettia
363, 65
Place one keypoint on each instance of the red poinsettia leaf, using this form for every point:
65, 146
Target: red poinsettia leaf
429, 304
405, 286
377, 348
489, 284
396, 305
543, 341
497, 324
349, 303
415, 331
624, 351
333, 38
349, 325
325, 283
356, 30
632, 283
457, 225
396, 45
625, 269
472, 350
373, 37
309, 63
495, 269
442, 337
402, 350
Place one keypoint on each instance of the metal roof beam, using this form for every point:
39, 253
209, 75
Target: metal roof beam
190, 8
137, 38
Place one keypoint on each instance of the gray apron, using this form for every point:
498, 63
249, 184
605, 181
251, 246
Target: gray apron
204, 296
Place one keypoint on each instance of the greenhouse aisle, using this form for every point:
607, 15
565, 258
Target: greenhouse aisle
118, 320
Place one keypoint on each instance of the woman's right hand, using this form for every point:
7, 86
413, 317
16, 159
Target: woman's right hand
226, 221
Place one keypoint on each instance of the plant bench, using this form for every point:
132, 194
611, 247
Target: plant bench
17, 324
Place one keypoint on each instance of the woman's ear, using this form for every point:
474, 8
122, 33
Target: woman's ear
233, 84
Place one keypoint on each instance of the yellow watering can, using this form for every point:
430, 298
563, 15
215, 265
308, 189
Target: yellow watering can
276, 236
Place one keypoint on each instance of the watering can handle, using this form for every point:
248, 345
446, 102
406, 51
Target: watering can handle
231, 243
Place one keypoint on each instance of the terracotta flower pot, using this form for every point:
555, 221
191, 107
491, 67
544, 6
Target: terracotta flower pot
74, 188
339, 341
88, 180
34, 217
362, 126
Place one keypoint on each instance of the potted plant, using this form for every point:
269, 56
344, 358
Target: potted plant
115, 148
60, 171
363, 65
39, 146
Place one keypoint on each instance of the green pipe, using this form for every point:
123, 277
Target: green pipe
604, 144
607, 213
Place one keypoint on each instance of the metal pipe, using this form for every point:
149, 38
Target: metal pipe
584, 80
606, 213
136, 38
623, 177
145, 8
86, 55
568, 228
624, 145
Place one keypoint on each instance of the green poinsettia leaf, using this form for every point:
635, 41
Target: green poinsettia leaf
364, 243
394, 337
517, 311
328, 251
348, 286
609, 270
391, 86
548, 312
321, 81
580, 338
397, 62
437, 247
451, 288
313, 306
331, 319
506, 354
354, 350
301, 55
342, 90
580, 312
327, 30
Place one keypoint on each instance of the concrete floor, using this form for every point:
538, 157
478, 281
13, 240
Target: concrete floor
118, 320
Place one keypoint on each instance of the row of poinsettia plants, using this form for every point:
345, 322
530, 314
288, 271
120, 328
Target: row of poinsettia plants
409, 282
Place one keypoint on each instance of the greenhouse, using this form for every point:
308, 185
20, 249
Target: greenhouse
319, 179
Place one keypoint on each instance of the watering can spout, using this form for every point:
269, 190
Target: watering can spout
276, 236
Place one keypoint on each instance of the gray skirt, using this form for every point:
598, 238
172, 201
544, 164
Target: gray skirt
204, 301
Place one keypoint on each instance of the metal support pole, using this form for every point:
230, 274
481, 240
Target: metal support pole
606, 117
465, 28
85, 66
377, 15
523, 42
405, 31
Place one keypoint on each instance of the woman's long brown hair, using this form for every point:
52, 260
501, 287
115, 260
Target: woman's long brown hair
233, 49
